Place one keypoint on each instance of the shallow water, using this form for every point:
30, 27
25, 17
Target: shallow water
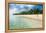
18, 22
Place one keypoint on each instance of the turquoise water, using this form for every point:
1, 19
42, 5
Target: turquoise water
21, 22
18, 22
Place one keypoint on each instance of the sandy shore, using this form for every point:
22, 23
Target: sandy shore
39, 17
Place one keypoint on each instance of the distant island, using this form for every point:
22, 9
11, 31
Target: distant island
31, 11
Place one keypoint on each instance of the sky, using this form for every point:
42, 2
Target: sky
16, 8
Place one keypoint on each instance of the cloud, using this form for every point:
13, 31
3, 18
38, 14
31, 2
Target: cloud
22, 7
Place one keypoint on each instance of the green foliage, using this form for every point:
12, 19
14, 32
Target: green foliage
35, 11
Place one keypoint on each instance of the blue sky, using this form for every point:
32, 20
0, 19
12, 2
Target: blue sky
23, 7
